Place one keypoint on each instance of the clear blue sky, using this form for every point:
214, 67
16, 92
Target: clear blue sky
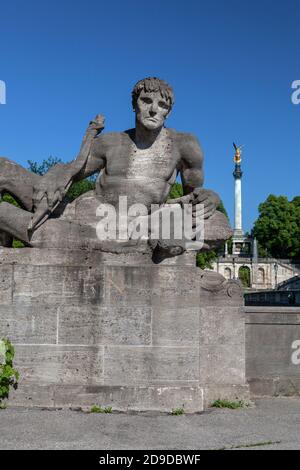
231, 64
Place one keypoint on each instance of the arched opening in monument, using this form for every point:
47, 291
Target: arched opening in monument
261, 276
227, 273
245, 276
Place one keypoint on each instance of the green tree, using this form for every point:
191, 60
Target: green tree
80, 187
176, 191
42, 168
277, 228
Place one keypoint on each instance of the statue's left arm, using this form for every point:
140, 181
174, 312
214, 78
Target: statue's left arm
191, 163
191, 170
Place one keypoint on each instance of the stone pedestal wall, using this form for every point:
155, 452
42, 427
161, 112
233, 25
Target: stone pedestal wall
273, 350
117, 330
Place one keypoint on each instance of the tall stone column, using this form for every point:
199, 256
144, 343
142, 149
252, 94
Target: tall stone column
238, 199
238, 235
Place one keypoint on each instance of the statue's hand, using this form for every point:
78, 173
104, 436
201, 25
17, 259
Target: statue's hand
52, 186
97, 123
208, 199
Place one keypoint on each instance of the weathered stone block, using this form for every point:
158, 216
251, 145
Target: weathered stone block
63, 365
147, 365
269, 350
221, 325
54, 284
6, 284
128, 284
32, 395
176, 285
175, 326
104, 325
38, 283
132, 398
222, 364
121, 331
30, 324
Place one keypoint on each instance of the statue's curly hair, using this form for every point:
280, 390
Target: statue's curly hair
153, 84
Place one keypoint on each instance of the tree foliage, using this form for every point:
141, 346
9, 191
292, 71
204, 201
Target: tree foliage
42, 168
80, 187
176, 191
8, 375
277, 228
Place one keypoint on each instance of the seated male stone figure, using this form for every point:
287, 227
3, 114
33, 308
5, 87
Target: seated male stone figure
141, 163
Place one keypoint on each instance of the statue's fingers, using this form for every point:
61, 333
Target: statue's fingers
203, 210
50, 198
198, 208
174, 201
180, 200
100, 119
209, 208
209, 213
38, 195
197, 191
200, 198
200, 191
41, 210
60, 193
209, 205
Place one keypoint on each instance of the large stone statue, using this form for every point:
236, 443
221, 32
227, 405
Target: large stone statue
141, 164
120, 322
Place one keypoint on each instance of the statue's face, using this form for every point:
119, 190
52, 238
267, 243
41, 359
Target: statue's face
151, 110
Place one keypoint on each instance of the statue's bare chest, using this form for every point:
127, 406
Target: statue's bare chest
157, 161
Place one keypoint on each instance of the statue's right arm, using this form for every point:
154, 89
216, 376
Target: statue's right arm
53, 186
95, 161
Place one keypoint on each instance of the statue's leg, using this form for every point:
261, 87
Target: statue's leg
18, 182
15, 221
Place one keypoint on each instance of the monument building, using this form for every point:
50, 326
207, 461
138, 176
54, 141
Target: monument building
240, 259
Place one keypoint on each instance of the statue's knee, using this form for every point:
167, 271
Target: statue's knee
4, 211
5, 168
3, 162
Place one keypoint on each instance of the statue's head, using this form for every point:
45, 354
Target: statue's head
152, 101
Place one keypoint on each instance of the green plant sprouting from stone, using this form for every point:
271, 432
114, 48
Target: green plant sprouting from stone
8, 375
99, 409
177, 411
232, 405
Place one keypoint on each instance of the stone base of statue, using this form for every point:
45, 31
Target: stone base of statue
118, 330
